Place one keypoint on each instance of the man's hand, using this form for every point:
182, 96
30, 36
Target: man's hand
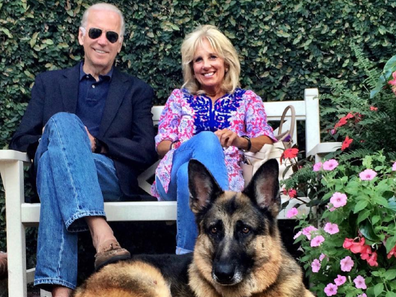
91, 139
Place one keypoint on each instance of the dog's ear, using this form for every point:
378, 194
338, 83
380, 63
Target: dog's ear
264, 187
203, 186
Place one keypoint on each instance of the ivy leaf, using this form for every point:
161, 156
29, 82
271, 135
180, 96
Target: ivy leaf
6, 32
34, 39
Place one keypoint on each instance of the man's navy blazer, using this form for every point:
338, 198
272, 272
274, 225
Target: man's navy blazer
126, 127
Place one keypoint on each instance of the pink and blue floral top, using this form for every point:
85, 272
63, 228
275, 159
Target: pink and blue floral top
185, 115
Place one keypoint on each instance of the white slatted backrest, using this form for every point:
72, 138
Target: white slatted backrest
306, 110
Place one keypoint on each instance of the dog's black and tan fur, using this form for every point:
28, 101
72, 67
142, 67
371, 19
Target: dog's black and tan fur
238, 252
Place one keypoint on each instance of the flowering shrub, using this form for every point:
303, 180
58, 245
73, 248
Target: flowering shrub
351, 250
348, 238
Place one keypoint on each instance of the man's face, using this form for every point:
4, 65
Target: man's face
100, 53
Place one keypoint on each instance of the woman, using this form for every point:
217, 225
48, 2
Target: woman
209, 119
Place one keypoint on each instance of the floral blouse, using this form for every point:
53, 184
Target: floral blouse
185, 115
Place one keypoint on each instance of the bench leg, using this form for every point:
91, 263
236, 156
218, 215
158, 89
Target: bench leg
12, 176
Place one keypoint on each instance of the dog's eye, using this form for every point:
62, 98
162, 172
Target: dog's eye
245, 230
214, 230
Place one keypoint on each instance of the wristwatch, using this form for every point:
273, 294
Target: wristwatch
249, 146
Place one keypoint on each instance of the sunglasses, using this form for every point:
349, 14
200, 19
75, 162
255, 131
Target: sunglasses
95, 33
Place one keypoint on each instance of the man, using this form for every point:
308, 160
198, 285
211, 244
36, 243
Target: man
89, 131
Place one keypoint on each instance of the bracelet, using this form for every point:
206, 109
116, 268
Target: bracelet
98, 146
172, 144
249, 146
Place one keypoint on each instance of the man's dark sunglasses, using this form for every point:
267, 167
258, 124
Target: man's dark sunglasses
95, 33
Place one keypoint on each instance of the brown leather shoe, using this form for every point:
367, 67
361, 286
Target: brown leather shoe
3, 265
110, 252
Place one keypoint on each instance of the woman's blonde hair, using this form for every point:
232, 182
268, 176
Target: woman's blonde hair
222, 46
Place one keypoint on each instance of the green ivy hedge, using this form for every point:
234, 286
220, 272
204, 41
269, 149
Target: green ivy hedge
284, 46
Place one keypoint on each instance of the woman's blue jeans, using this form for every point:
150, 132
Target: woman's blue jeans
72, 183
204, 147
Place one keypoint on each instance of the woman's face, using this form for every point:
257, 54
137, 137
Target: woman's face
209, 68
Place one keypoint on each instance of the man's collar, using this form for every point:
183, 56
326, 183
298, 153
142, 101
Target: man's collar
101, 77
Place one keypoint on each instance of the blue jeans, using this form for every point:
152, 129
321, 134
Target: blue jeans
72, 183
204, 147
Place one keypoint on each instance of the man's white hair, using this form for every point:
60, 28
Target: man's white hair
102, 6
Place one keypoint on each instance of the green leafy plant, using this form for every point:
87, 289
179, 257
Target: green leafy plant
351, 249
348, 237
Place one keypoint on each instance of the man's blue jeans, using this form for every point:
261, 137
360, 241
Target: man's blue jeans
204, 147
72, 183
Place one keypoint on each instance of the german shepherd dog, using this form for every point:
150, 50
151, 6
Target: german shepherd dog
238, 252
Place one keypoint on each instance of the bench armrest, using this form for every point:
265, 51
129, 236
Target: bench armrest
11, 155
323, 148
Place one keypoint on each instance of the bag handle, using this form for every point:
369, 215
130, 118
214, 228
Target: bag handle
290, 132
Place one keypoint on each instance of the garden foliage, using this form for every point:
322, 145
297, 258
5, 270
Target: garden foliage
284, 46
348, 238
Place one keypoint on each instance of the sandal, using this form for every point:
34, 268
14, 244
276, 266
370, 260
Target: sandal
110, 252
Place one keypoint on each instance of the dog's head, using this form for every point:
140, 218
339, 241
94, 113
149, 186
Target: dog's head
237, 231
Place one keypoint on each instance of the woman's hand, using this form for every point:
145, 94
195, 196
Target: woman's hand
163, 147
229, 138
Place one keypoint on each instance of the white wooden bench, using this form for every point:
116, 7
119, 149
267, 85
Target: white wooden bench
21, 215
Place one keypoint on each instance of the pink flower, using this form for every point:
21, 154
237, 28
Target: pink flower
292, 213
343, 121
338, 199
392, 252
321, 257
307, 231
297, 234
340, 280
318, 166
289, 153
393, 81
347, 142
394, 167
331, 228
315, 266
330, 165
292, 193
362, 295
330, 208
367, 174
317, 241
373, 108
353, 245
346, 264
360, 282
331, 290
372, 260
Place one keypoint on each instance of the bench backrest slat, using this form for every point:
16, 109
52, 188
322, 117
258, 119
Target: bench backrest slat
274, 110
